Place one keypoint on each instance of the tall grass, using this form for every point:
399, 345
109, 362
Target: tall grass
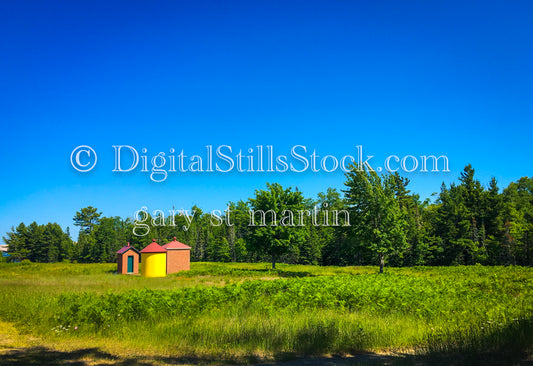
234, 311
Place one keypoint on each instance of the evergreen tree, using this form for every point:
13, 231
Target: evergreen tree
38, 243
412, 210
518, 211
87, 218
377, 222
17, 243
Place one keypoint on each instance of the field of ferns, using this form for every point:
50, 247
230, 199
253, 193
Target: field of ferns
246, 313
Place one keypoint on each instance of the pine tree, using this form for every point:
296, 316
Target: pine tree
87, 218
378, 224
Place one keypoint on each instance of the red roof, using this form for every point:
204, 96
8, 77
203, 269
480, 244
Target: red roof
154, 248
126, 248
174, 244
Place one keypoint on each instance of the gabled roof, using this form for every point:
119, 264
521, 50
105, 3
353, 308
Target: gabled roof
154, 248
126, 248
174, 244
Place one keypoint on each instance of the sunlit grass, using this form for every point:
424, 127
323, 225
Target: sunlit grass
239, 310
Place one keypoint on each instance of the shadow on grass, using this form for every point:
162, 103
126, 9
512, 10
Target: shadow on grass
238, 272
85, 357
511, 345
96, 357
46, 356
507, 346
282, 272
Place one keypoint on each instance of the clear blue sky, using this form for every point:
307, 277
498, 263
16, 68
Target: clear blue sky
404, 78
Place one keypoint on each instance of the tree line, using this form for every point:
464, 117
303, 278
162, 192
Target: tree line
381, 222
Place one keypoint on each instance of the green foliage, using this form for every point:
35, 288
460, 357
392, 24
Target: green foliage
276, 230
219, 250
473, 225
467, 224
87, 218
379, 224
518, 226
38, 243
302, 310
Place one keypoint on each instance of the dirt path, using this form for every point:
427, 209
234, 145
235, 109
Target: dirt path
92, 356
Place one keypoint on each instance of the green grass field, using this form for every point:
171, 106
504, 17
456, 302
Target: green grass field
248, 313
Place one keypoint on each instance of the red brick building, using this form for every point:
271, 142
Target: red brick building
178, 256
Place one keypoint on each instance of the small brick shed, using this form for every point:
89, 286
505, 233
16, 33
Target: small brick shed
178, 256
128, 260
154, 261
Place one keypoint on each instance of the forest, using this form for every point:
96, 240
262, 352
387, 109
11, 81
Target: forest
467, 223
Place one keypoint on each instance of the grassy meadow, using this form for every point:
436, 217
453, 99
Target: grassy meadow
248, 313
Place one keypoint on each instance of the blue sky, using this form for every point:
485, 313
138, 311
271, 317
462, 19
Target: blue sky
414, 78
